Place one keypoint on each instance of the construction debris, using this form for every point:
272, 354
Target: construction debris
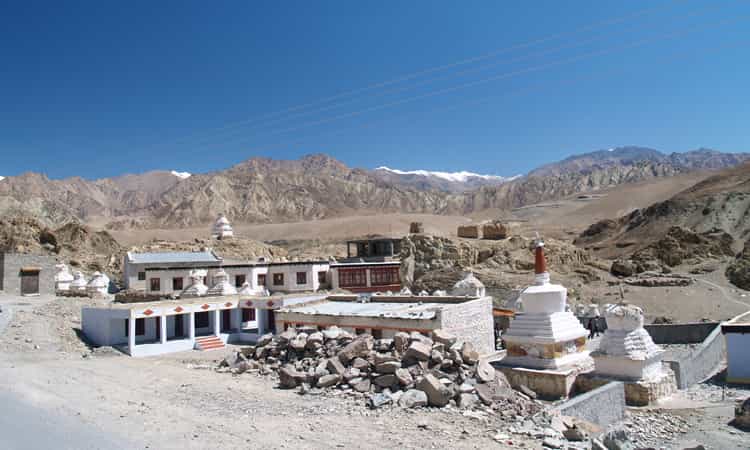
410, 370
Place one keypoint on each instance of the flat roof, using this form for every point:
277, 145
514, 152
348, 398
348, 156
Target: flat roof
370, 309
401, 307
173, 257
207, 299
739, 324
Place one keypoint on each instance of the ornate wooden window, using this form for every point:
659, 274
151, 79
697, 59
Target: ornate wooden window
352, 278
384, 276
301, 277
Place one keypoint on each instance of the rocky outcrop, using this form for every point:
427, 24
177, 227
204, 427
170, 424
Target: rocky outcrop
739, 271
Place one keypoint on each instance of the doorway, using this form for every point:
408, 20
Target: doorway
226, 320
29, 281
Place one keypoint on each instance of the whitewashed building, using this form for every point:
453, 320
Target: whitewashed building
737, 335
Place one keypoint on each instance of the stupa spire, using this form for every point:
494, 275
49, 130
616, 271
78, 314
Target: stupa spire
540, 264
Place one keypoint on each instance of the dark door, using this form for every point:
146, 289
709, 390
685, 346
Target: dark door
226, 320
271, 321
179, 329
29, 283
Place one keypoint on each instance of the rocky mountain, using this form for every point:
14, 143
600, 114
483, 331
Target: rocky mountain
592, 172
454, 182
317, 186
709, 221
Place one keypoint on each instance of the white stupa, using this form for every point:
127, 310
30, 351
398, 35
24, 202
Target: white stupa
546, 336
98, 285
246, 290
222, 228
196, 288
469, 286
63, 278
79, 282
627, 351
223, 286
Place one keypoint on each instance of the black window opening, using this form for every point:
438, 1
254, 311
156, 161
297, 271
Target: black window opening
248, 314
177, 284
322, 277
301, 277
140, 327
261, 279
239, 280
155, 284
278, 279
201, 319
141, 276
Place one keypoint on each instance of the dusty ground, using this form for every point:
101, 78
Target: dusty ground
179, 401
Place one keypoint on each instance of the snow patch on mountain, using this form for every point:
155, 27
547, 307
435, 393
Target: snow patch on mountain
181, 175
459, 177
2, 178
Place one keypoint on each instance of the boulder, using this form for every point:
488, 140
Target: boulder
264, 340
401, 341
468, 354
388, 367
331, 333
329, 380
359, 347
287, 335
361, 364
386, 380
404, 377
443, 337
352, 373
334, 366
413, 398
360, 384
436, 357
418, 351
623, 268
299, 342
289, 377
437, 393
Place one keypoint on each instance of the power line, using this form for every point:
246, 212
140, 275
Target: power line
434, 69
661, 36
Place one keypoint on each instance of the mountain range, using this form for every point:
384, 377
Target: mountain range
263, 190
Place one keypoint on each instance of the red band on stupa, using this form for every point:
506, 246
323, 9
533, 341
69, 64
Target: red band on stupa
540, 263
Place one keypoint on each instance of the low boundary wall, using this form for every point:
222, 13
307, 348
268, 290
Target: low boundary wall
603, 406
700, 363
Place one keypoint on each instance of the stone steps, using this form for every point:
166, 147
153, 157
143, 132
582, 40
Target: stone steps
209, 343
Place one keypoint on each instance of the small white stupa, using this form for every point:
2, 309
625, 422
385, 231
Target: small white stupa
79, 282
98, 285
223, 286
469, 286
222, 228
545, 338
196, 288
246, 290
63, 278
628, 353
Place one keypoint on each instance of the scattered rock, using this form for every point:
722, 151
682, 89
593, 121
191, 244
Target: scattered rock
413, 398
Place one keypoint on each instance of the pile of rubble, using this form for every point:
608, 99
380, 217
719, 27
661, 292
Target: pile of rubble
411, 369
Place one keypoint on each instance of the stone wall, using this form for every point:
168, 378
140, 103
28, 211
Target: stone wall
682, 333
472, 322
468, 231
603, 406
10, 272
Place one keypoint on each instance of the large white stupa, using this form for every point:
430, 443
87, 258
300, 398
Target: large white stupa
98, 285
222, 285
79, 282
545, 336
197, 288
222, 228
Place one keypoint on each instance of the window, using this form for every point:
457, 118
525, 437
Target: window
352, 278
278, 279
155, 284
177, 284
384, 276
360, 331
301, 277
322, 277
248, 314
377, 334
261, 279
140, 327
239, 280
201, 319
141, 276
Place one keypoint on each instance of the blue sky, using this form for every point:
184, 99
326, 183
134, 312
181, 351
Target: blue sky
103, 88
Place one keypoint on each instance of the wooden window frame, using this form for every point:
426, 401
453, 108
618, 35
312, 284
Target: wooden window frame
151, 284
239, 280
278, 279
352, 278
178, 283
301, 278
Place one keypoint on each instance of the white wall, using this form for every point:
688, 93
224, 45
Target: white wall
738, 357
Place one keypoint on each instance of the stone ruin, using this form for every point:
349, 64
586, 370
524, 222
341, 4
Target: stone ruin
468, 231
416, 228
493, 230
